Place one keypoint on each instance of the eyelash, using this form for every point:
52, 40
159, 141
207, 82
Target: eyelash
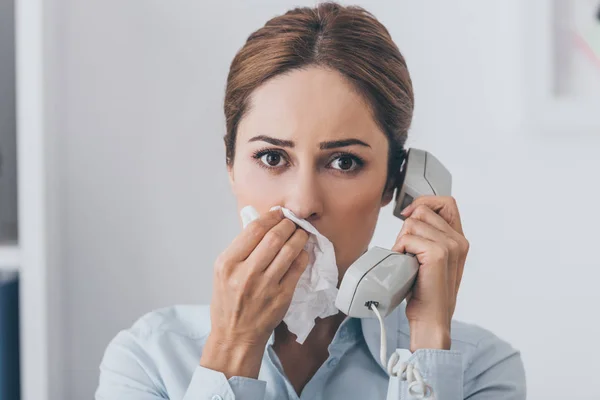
258, 154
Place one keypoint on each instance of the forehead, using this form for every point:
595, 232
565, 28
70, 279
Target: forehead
309, 104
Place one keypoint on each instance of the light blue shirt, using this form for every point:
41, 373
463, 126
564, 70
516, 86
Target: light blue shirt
158, 358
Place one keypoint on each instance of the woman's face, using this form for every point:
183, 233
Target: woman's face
309, 143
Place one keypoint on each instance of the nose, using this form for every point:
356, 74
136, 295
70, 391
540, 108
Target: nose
304, 197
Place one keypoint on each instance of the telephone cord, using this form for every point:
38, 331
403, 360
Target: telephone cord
406, 371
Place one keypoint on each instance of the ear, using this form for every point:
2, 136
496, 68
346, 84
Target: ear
229, 164
388, 193
231, 177
394, 182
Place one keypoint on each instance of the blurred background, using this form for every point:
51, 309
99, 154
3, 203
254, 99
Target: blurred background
124, 202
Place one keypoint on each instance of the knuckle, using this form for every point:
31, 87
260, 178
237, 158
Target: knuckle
222, 264
409, 225
421, 208
288, 252
288, 224
221, 260
274, 239
417, 211
465, 245
401, 239
239, 284
453, 246
256, 229
440, 253
220, 272
399, 243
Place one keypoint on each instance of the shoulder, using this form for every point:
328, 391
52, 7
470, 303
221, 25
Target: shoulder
469, 336
491, 364
189, 321
475, 341
489, 361
158, 343
161, 335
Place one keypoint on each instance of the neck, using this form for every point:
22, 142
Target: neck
320, 336
301, 361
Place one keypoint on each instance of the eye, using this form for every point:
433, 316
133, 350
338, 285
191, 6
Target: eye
346, 163
270, 158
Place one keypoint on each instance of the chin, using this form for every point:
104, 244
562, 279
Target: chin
343, 266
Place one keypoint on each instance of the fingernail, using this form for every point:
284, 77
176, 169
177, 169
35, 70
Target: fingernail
405, 211
278, 209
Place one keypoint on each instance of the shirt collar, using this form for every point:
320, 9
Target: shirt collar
350, 329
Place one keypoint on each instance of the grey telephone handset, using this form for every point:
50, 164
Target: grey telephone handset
383, 277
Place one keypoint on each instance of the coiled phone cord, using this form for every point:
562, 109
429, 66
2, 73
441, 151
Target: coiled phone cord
416, 385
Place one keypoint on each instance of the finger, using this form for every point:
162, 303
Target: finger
459, 272
272, 242
426, 251
286, 256
445, 206
426, 214
289, 281
459, 243
422, 229
453, 281
243, 245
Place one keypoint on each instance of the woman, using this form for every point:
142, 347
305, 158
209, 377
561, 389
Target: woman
318, 105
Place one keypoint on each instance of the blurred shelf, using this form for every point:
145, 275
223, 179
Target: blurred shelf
9, 256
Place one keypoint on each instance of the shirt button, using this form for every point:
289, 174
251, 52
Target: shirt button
333, 362
216, 397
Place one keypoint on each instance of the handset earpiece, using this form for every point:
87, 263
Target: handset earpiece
421, 174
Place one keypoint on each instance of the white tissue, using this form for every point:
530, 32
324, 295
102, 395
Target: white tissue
317, 288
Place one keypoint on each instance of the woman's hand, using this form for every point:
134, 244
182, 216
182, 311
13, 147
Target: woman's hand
433, 232
254, 281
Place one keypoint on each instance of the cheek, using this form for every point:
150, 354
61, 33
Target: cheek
254, 186
357, 199
358, 216
355, 214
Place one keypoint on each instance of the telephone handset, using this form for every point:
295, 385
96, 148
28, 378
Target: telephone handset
382, 277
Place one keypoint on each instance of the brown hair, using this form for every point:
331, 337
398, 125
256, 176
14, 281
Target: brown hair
344, 38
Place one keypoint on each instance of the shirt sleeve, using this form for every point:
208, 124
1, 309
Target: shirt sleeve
441, 370
495, 372
128, 372
213, 385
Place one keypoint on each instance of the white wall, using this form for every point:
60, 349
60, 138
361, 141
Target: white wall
146, 207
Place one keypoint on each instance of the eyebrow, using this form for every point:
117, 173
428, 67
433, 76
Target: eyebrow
341, 143
334, 144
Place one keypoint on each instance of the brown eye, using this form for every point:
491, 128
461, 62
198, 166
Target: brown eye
271, 159
344, 163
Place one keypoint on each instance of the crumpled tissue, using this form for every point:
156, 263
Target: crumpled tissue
317, 287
